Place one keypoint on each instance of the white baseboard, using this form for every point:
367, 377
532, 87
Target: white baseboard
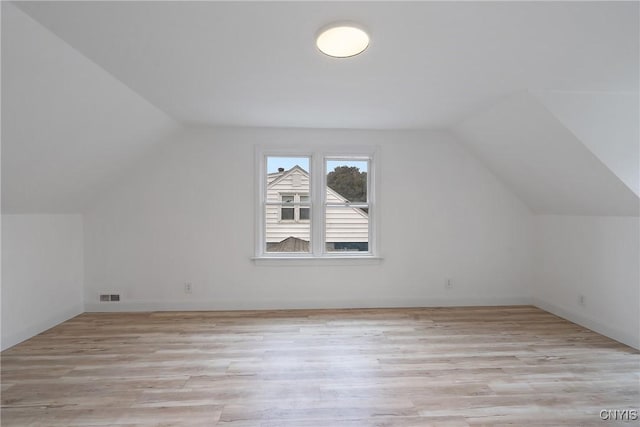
590, 323
312, 303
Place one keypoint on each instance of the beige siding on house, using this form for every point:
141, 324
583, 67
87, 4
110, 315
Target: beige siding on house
292, 182
343, 224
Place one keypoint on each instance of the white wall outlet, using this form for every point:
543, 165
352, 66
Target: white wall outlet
448, 284
187, 288
581, 300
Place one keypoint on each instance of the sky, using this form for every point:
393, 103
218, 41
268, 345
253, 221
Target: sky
273, 163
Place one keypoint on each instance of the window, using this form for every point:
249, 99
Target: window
287, 209
294, 207
315, 205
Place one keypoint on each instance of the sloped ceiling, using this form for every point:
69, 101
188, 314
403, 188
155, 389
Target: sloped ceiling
67, 125
544, 163
607, 123
107, 81
429, 64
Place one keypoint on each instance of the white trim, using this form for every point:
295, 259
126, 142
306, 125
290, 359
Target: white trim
306, 259
304, 303
589, 323
318, 197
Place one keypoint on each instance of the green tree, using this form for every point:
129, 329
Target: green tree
349, 182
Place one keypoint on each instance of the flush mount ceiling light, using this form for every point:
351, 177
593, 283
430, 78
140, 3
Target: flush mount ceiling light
342, 40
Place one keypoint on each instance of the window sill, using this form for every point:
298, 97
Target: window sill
296, 261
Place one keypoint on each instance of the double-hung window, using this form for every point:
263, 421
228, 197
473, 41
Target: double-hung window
315, 204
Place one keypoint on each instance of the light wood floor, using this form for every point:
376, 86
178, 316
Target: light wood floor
325, 368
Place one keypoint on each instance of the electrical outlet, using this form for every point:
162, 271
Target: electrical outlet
448, 284
581, 300
187, 288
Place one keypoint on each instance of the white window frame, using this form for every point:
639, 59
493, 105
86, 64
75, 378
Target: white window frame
317, 196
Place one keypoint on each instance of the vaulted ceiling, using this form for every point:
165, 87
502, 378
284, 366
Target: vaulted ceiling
68, 127
429, 64
89, 86
543, 162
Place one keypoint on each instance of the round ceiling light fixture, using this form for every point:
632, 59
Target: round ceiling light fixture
342, 40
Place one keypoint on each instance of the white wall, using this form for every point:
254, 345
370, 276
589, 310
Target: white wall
42, 273
598, 258
186, 214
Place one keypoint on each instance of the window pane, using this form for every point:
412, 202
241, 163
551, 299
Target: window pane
304, 211
287, 178
286, 214
348, 180
347, 229
287, 236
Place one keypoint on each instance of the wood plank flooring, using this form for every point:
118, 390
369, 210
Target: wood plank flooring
322, 368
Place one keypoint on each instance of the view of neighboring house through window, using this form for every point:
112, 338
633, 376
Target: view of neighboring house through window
342, 207
347, 207
287, 224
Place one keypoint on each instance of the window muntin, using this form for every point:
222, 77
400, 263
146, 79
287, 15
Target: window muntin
300, 191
